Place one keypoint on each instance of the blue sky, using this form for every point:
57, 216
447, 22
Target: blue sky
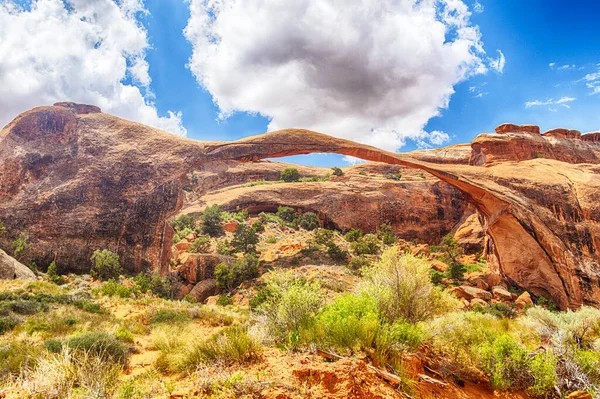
377, 72
531, 35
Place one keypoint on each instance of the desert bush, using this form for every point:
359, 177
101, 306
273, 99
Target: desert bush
224, 300
386, 234
322, 236
271, 239
16, 356
228, 346
336, 253
367, 245
349, 323
456, 271
153, 282
200, 245
499, 310
507, 361
543, 373
224, 247
401, 285
286, 213
308, 221
357, 263
50, 325
106, 265
180, 235
241, 216
123, 334
353, 235
7, 323
23, 306
114, 288
261, 296
393, 176
52, 273
337, 171
230, 276
211, 218
184, 222
392, 341
290, 306
168, 316
436, 276
100, 344
245, 239
289, 175
258, 226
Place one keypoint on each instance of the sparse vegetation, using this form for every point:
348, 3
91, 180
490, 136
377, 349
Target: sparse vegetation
245, 239
290, 175
184, 222
20, 246
230, 276
200, 245
211, 221
308, 221
337, 171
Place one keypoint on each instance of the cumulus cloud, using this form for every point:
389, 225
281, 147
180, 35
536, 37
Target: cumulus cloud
478, 7
77, 50
373, 72
563, 101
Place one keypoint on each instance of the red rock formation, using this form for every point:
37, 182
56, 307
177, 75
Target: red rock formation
592, 137
511, 128
77, 182
562, 133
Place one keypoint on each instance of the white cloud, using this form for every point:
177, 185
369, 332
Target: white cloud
373, 72
552, 64
478, 7
498, 63
563, 102
592, 81
82, 51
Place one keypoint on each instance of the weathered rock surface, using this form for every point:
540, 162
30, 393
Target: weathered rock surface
198, 267
470, 293
80, 181
11, 269
417, 207
204, 289
470, 235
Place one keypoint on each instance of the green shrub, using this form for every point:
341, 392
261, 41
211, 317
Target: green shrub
154, 283
229, 346
290, 306
24, 307
357, 263
53, 345
230, 276
224, 247
547, 303
114, 288
322, 236
53, 274
309, 221
271, 239
456, 271
241, 216
200, 245
286, 213
89, 306
245, 239
386, 234
180, 235
367, 245
336, 253
401, 285
337, 171
20, 246
508, 363
7, 323
452, 252
393, 176
212, 217
499, 310
124, 334
184, 222
543, 372
261, 297
436, 276
289, 175
15, 357
258, 226
224, 300
353, 235
168, 316
349, 323
102, 345
106, 265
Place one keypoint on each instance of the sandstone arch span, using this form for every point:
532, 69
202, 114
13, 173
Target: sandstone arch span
76, 179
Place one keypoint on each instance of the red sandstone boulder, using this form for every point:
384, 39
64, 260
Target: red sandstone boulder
511, 128
231, 226
469, 293
501, 294
524, 300
203, 290
183, 246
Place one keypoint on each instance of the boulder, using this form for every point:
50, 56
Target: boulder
512, 128
231, 226
204, 289
420, 250
523, 300
478, 302
439, 266
183, 246
198, 267
493, 279
11, 269
501, 294
470, 293
579, 395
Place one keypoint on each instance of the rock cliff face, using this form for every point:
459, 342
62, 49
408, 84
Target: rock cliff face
76, 179
419, 206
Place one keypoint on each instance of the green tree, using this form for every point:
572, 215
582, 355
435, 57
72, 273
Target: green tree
20, 246
337, 171
245, 239
452, 252
201, 245
290, 175
212, 218
386, 234
106, 265
230, 276
353, 235
286, 213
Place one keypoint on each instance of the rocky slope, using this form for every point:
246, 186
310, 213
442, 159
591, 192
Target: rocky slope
76, 179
